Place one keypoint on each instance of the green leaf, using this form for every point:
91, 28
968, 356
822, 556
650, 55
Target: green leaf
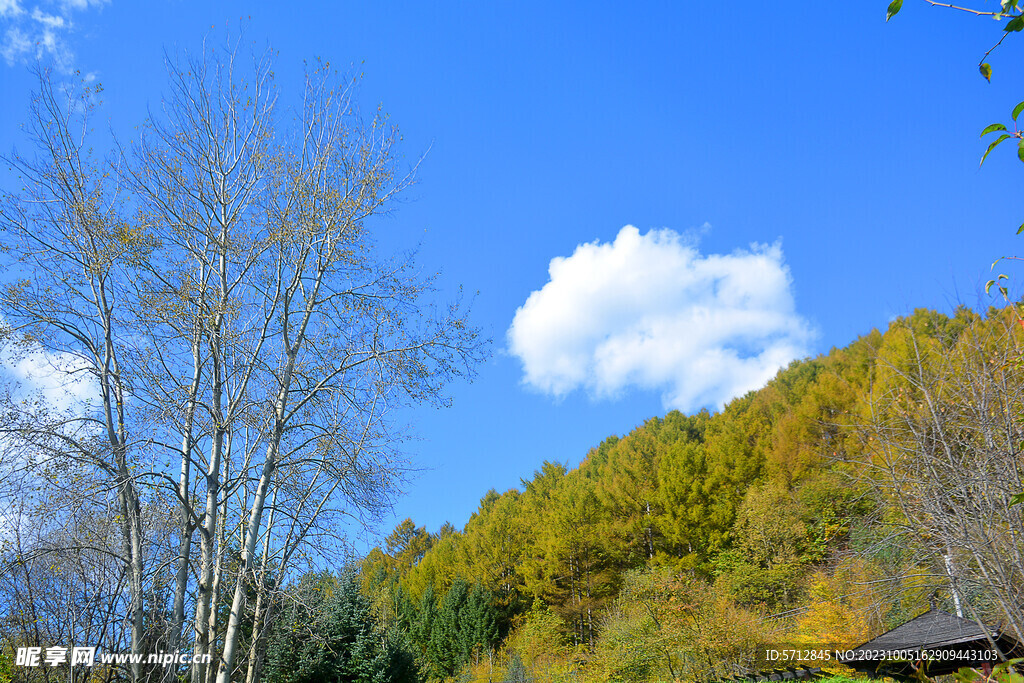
966, 675
894, 8
993, 146
1017, 110
992, 128
1005, 293
986, 71
1020, 149
991, 283
1020, 229
1017, 499
1015, 24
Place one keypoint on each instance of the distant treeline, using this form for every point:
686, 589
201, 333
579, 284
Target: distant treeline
830, 505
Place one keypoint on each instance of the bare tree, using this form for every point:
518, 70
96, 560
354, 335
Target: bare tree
248, 344
943, 447
66, 247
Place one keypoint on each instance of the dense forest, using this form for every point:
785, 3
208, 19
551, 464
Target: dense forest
834, 503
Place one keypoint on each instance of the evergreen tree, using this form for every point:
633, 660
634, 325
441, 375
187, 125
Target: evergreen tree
480, 621
449, 635
327, 634
422, 625
445, 650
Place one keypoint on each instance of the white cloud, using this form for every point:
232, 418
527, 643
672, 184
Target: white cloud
650, 312
37, 33
50, 21
16, 44
9, 8
60, 379
67, 5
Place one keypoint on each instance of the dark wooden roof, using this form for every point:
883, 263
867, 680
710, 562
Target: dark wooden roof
961, 639
934, 628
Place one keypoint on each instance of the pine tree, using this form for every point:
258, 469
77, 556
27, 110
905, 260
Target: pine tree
327, 634
445, 649
480, 621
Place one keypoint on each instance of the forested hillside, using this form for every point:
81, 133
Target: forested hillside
831, 504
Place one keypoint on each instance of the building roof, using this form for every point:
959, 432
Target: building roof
965, 642
934, 628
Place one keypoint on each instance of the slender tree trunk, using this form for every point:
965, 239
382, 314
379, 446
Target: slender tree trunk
252, 530
952, 584
204, 636
208, 546
263, 614
185, 504
649, 534
127, 494
218, 572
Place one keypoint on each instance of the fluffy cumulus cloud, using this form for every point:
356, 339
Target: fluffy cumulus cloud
38, 30
651, 312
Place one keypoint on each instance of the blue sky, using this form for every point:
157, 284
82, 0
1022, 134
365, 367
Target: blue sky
795, 176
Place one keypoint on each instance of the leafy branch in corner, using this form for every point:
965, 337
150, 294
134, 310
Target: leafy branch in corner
1009, 10
1005, 134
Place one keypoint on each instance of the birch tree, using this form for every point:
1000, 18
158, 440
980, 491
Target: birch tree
942, 447
65, 247
219, 285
